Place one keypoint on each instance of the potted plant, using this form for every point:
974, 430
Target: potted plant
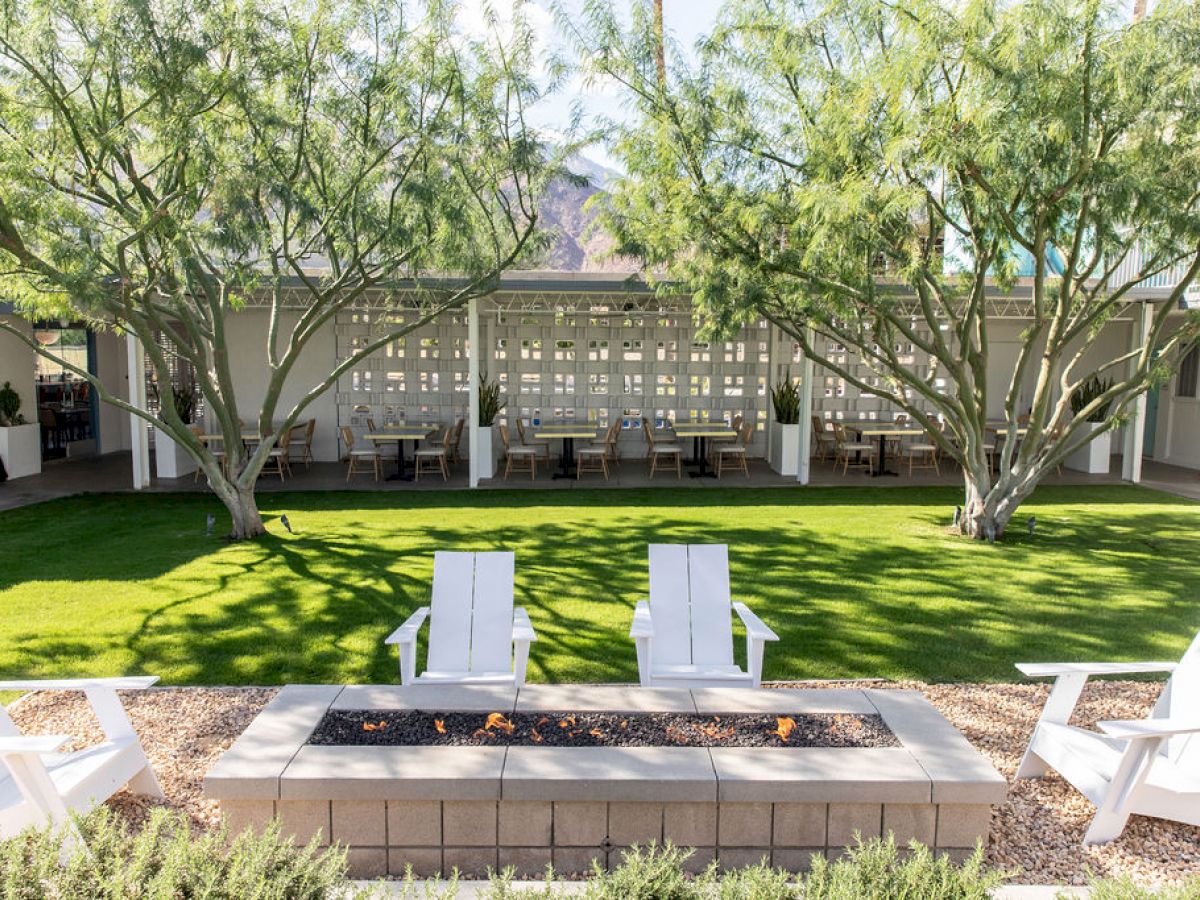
490, 406
20, 440
1094, 456
785, 430
170, 459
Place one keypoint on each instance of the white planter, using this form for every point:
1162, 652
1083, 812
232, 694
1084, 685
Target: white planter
785, 448
171, 460
487, 456
1093, 457
21, 449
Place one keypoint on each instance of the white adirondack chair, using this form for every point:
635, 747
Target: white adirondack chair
40, 786
472, 613
1148, 767
684, 634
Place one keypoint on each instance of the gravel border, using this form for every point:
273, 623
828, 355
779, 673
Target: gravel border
1035, 834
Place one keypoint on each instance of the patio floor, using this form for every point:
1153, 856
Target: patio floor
112, 473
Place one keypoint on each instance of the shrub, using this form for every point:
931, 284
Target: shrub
167, 859
785, 397
10, 406
1086, 393
1125, 889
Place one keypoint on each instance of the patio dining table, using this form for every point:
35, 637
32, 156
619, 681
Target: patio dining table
883, 433
566, 432
700, 432
398, 434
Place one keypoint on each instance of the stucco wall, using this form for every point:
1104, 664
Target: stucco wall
247, 336
16, 366
1177, 432
112, 367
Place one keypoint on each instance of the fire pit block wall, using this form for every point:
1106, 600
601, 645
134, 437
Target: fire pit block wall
440, 808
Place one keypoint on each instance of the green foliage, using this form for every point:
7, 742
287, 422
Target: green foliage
167, 859
490, 403
1087, 394
10, 406
785, 397
875, 871
1126, 889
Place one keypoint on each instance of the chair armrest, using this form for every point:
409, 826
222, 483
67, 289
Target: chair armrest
41, 743
522, 627
123, 683
756, 628
1133, 729
407, 633
643, 625
1050, 670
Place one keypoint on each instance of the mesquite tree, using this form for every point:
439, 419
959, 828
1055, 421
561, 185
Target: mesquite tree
880, 173
164, 163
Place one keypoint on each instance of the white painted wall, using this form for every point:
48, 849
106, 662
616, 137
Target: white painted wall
247, 336
16, 366
112, 367
1177, 432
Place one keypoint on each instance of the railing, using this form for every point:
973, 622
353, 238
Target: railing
1131, 265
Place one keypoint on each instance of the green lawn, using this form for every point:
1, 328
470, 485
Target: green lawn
857, 582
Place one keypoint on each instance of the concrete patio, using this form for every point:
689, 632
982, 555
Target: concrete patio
111, 473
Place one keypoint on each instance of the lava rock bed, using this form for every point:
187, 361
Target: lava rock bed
407, 728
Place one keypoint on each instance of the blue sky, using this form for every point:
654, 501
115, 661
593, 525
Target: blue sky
685, 21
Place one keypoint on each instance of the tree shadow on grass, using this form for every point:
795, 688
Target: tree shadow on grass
848, 599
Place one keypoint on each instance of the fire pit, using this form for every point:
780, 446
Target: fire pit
445, 777
416, 728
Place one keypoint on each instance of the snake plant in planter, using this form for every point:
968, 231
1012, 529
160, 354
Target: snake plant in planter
20, 440
490, 406
785, 430
171, 460
1094, 456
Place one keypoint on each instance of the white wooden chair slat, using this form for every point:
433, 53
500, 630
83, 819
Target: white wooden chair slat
492, 615
40, 786
450, 618
684, 633
475, 634
712, 625
1151, 767
669, 604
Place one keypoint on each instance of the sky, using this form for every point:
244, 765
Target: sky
684, 20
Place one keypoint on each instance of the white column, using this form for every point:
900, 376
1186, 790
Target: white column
474, 354
139, 441
806, 408
772, 340
1135, 428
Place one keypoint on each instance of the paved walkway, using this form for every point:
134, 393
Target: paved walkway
111, 472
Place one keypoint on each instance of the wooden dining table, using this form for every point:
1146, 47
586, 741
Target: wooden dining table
884, 433
399, 435
700, 433
567, 432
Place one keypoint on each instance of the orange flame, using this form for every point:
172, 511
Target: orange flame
596, 732
534, 736
783, 727
440, 726
498, 721
624, 724
371, 726
567, 722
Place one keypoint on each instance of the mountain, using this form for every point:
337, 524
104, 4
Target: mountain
577, 246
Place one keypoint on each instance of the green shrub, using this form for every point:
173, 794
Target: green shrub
785, 397
1125, 889
166, 859
875, 871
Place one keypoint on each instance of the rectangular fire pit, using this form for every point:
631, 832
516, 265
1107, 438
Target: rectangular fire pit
867, 761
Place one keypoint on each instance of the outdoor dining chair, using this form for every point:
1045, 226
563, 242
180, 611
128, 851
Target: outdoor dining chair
734, 454
356, 456
523, 457
851, 454
658, 451
923, 454
277, 458
538, 445
593, 458
822, 439
435, 458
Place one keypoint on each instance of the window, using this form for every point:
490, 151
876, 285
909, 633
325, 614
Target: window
1189, 370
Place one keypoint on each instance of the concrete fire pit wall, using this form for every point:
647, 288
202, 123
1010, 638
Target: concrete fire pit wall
471, 808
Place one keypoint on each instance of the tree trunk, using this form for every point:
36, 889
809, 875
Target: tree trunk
242, 506
988, 508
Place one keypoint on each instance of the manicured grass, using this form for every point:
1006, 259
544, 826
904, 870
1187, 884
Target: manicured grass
857, 582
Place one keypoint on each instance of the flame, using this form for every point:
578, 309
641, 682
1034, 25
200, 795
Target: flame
624, 724
440, 726
783, 727
542, 721
596, 732
498, 721
534, 736
567, 722
371, 726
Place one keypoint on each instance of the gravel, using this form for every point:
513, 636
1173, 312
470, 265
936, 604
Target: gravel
392, 728
1036, 834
